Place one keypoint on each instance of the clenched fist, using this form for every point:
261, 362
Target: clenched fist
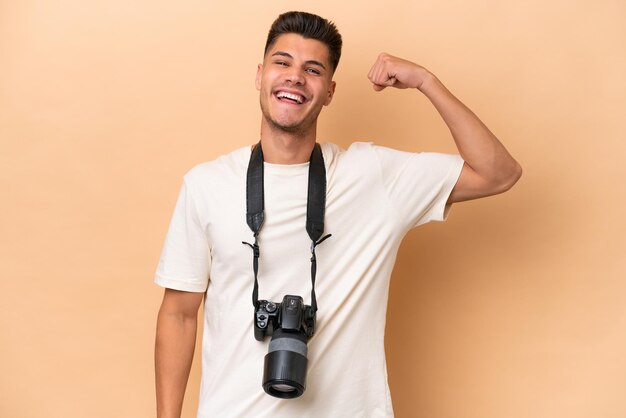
390, 71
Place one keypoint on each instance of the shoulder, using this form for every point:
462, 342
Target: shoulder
355, 150
370, 154
394, 157
233, 164
364, 157
371, 149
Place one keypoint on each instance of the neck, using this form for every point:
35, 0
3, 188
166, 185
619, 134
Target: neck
280, 147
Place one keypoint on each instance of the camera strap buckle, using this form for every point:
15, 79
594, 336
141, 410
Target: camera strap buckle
256, 252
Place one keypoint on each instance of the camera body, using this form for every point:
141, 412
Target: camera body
290, 324
290, 315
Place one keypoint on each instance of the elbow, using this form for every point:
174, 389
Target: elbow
517, 174
512, 176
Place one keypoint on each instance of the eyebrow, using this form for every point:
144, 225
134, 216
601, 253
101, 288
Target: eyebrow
288, 55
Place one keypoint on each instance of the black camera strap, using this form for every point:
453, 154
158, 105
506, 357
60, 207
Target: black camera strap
316, 206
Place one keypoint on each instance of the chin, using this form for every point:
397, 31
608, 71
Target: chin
292, 129
287, 125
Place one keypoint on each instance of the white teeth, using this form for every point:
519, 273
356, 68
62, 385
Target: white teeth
291, 96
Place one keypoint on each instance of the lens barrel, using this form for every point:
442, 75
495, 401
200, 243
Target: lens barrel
284, 372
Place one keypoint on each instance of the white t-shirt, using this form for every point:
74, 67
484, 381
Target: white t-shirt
374, 196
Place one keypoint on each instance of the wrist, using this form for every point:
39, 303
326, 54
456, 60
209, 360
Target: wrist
428, 83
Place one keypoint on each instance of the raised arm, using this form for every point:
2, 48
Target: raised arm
489, 168
174, 347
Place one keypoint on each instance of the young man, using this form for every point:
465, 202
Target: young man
374, 195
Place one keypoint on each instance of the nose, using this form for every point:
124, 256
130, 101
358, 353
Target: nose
294, 76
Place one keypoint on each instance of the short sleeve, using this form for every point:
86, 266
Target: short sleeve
185, 260
419, 184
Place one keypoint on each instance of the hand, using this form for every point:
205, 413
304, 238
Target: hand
390, 71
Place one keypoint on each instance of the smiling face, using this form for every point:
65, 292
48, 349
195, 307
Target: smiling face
295, 83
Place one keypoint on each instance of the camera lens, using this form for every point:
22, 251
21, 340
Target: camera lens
283, 388
284, 374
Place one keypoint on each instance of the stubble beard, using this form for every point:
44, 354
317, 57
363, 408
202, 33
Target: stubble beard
299, 128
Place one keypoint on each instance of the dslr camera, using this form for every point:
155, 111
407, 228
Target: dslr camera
291, 324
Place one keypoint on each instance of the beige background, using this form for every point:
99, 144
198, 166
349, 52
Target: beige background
513, 308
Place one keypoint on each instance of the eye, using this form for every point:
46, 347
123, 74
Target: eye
313, 71
281, 63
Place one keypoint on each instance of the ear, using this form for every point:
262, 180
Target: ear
259, 74
331, 92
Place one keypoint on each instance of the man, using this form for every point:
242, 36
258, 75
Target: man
374, 196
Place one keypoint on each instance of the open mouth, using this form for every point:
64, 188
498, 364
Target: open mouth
294, 98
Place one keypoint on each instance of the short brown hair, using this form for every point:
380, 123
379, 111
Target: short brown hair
309, 26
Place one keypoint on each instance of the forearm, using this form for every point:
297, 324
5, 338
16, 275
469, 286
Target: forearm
174, 347
481, 149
